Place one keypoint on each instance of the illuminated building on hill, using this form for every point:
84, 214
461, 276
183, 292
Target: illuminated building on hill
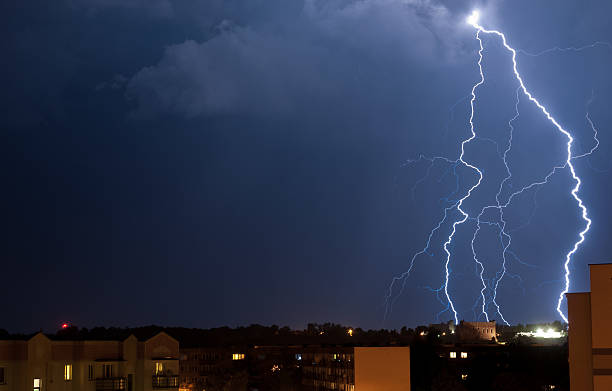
474, 331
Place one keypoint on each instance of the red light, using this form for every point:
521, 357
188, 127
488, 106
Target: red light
65, 325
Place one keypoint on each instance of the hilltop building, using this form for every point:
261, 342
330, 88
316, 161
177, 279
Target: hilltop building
477, 331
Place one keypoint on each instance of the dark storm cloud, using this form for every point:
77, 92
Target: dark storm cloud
151, 8
322, 54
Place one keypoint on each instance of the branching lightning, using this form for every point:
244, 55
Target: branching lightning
500, 205
473, 20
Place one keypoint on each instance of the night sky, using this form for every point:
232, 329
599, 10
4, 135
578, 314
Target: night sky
225, 162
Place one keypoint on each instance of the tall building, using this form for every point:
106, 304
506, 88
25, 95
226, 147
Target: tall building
590, 333
45, 364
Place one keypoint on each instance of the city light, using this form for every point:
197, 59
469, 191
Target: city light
540, 333
350, 332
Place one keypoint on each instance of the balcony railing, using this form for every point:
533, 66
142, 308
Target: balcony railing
170, 381
111, 384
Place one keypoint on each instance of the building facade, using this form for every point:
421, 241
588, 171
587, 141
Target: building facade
296, 368
484, 331
590, 336
43, 364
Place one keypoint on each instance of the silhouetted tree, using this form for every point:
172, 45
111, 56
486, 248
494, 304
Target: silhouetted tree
447, 381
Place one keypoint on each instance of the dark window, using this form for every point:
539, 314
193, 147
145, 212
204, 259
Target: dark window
108, 371
2, 380
90, 372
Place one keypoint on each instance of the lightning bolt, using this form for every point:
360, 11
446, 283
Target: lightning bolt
473, 20
505, 238
469, 192
389, 299
567, 49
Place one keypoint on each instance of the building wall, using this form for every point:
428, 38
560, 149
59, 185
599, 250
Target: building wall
601, 305
382, 369
485, 331
601, 320
580, 354
590, 339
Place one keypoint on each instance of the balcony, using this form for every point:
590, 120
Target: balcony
111, 384
170, 381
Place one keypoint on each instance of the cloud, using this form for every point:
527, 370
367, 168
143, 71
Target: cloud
117, 82
328, 52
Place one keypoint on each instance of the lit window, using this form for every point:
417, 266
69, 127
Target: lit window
463, 354
36, 384
68, 372
298, 357
463, 376
238, 356
453, 354
159, 368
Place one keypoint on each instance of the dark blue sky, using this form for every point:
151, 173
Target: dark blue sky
203, 163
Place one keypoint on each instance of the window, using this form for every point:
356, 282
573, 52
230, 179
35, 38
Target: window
68, 372
2, 379
159, 368
107, 371
90, 372
453, 355
463, 354
37, 384
238, 356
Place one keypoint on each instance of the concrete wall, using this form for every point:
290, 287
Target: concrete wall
385, 369
601, 317
601, 305
580, 353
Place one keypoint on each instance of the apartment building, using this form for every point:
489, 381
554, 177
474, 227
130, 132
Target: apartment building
590, 336
303, 368
356, 368
43, 363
